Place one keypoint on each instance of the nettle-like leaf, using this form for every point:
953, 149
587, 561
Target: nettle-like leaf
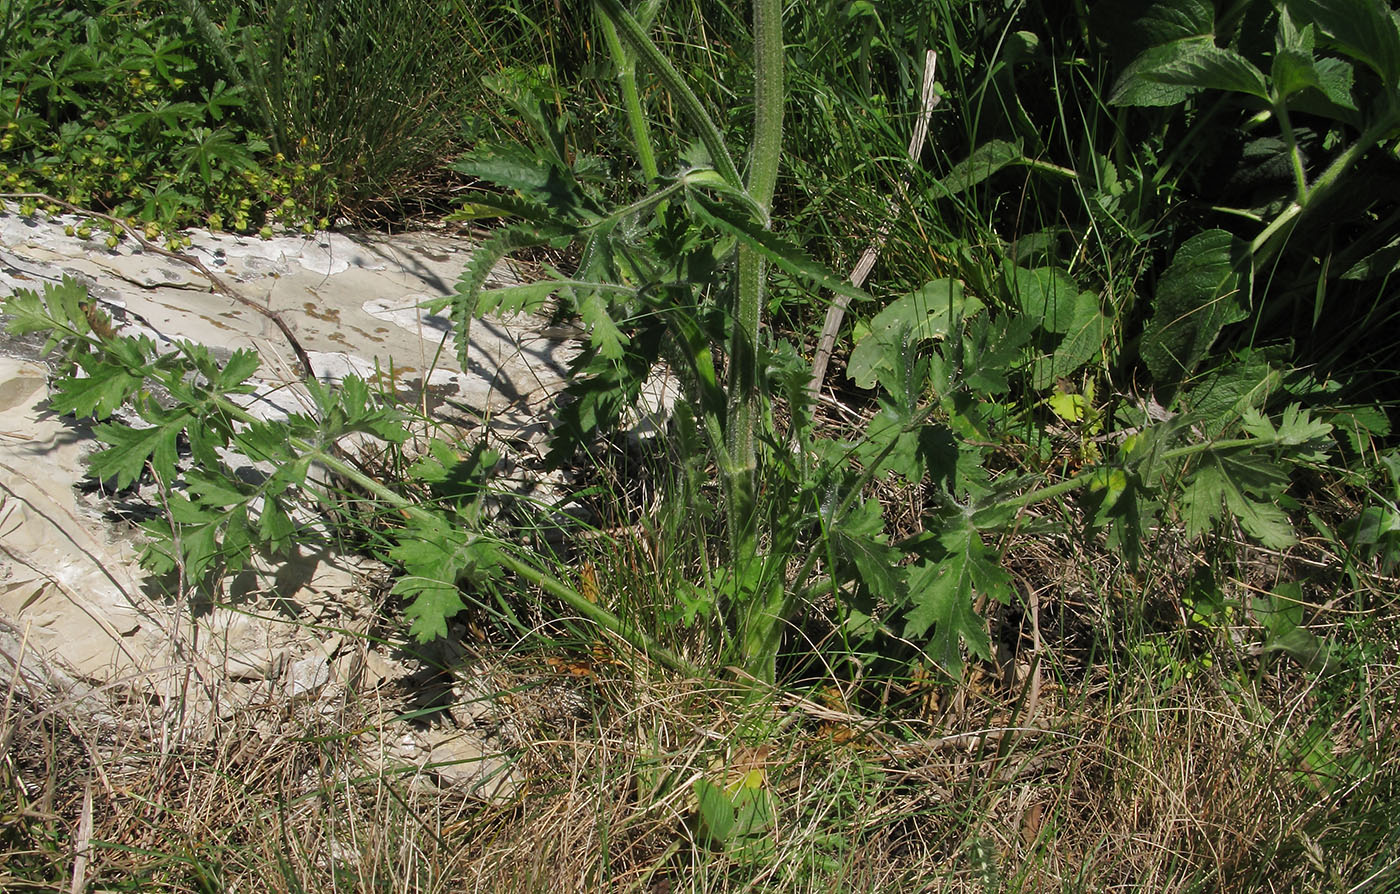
1197, 65
1197, 297
1132, 26
986, 160
1365, 30
1133, 88
942, 593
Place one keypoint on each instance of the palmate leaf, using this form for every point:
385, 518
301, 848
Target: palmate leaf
1244, 482
60, 312
99, 394
199, 539
436, 555
942, 594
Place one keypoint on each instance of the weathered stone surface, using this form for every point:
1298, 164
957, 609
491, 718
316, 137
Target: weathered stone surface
73, 599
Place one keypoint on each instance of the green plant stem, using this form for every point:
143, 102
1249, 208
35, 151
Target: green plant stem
1295, 153
761, 606
1084, 478
550, 584
690, 104
1270, 241
631, 99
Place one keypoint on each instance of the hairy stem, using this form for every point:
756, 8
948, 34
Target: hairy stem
691, 107
760, 623
631, 99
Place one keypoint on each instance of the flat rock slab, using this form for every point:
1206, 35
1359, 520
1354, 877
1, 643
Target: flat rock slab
71, 589
354, 303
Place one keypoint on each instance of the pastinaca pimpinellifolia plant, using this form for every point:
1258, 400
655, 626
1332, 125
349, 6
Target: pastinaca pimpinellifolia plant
677, 274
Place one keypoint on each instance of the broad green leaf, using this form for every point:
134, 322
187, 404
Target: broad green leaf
715, 813
131, 448
942, 594
1201, 66
519, 169
1196, 298
1336, 78
1070, 407
926, 313
436, 555
985, 160
1281, 613
1046, 295
859, 539
1247, 381
1128, 27
1084, 339
1136, 87
1366, 30
1293, 71
1378, 264
99, 394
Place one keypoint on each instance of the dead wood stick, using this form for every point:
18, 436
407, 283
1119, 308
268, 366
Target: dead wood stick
837, 311
215, 282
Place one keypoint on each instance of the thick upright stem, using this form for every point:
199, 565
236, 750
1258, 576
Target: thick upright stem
759, 620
